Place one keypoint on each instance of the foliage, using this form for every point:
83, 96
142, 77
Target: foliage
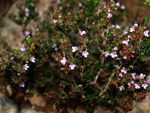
81, 58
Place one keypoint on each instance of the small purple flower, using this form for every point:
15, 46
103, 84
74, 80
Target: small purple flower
137, 86
116, 66
132, 29
132, 82
58, 1
32, 59
85, 53
125, 57
146, 33
129, 84
118, 27
113, 26
109, 15
63, 61
145, 85
32, 4
27, 14
26, 10
60, 7
55, 21
72, 66
115, 48
142, 76
133, 75
122, 7
121, 88
25, 67
120, 74
80, 5
22, 85
27, 33
60, 16
11, 58
74, 48
23, 48
107, 54
54, 45
125, 32
27, 91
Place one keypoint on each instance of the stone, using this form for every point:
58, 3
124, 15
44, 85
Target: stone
6, 105
29, 110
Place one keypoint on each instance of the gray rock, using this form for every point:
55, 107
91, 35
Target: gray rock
29, 110
6, 105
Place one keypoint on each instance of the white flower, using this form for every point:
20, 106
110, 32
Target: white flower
85, 53
32, 59
124, 70
142, 76
63, 61
22, 85
145, 85
74, 48
129, 36
136, 24
121, 88
137, 86
82, 32
113, 54
117, 4
125, 42
146, 33
25, 67
72, 66
23, 48
132, 29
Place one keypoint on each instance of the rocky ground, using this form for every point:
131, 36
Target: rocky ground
13, 102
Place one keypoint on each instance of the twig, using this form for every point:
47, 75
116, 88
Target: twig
107, 85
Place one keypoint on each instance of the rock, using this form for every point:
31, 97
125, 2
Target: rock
29, 110
6, 105
37, 100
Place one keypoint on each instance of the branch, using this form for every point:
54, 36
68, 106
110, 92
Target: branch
107, 85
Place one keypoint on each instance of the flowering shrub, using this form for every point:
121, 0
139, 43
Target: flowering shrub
80, 58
